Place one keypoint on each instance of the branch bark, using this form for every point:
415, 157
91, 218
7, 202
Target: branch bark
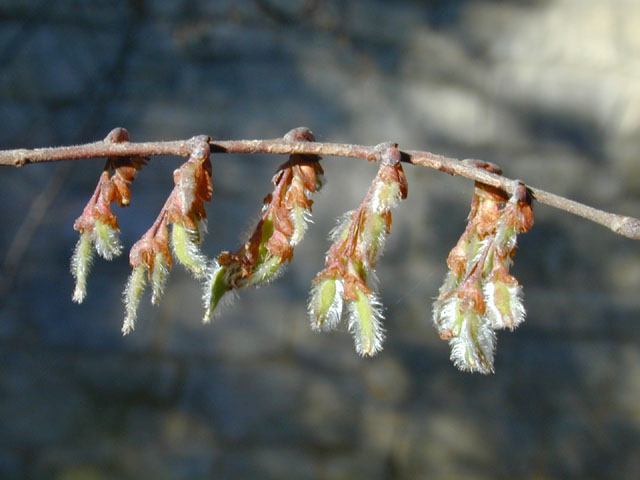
623, 225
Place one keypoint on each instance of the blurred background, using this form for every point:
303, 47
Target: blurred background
548, 89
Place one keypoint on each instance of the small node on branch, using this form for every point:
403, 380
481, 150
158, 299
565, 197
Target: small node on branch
628, 227
117, 135
299, 134
20, 158
483, 165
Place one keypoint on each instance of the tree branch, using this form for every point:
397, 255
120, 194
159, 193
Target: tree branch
622, 225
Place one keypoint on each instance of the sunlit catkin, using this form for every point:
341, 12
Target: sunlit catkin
358, 242
479, 295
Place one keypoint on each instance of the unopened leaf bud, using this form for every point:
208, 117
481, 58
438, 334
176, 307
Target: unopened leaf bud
472, 342
373, 236
159, 276
265, 271
185, 243
106, 240
505, 308
80, 265
365, 323
325, 303
300, 217
132, 294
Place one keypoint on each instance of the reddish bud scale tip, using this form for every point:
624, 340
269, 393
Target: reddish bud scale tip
299, 134
192, 187
125, 170
151, 254
471, 296
279, 246
457, 259
308, 174
154, 241
354, 283
117, 135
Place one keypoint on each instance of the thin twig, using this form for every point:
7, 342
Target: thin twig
622, 225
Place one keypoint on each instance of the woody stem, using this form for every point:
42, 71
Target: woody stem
622, 225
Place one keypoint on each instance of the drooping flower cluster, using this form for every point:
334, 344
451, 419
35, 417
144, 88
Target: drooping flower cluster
283, 222
150, 257
98, 225
479, 295
358, 242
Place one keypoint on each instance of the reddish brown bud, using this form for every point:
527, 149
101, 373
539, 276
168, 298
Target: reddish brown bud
479, 295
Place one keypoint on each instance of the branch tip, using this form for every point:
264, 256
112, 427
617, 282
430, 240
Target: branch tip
628, 227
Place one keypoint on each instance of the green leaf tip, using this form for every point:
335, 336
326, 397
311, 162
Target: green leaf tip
215, 289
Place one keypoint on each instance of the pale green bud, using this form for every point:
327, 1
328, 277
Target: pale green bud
445, 312
80, 265
325, 303
185, 245
385, 196
300, 217
106, 240
159, 276
373, 238
265, 234
132, 294
365, 323
473, 341
506, 237
505, 308
444, 308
